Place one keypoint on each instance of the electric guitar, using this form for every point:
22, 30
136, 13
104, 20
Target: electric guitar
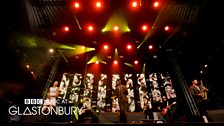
83, 110
165, 110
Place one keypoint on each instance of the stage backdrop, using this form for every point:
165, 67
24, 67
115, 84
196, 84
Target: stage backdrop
97, 90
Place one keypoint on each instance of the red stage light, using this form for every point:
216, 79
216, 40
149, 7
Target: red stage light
90, 28
129, 46
156, 4
144, 27
166, 28
66, 28
76, 5
134, 4
105, 47
98, 4
136, 62
115, 62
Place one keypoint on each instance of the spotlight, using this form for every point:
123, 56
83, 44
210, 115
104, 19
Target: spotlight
156, 4
144, 27
115, 62
97, 62
116, 28
150, 46
166, 28
98, 4
83, 47
136, 62
106, 47
129, 46
66, 28
27, 66
134, 4
76, 5
90, 28
51, 50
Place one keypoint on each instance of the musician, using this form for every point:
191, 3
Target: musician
167, 109
52, 94
51, 100
157, 110
84, 110
121, 93
197, 93
147, 108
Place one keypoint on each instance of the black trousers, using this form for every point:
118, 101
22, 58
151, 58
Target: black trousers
123, 109
148, 114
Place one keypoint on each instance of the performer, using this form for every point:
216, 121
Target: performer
121, 93
197, 92
84, 110
51, 100
52, 95
147, 108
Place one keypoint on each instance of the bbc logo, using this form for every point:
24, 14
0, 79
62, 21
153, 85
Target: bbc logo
33, 101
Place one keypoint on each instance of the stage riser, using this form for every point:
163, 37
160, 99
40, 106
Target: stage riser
216, 115
114, 117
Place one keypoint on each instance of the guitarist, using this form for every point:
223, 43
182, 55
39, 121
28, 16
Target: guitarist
166, 109
84, 111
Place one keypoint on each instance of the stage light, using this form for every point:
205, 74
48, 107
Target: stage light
134, 4
95, 59
129, 46
27, 66
116, 54
31, 72
51, 50
143, 69
105, 47
98, 4
76, 5
115, 62
206, 65
90, 28
201, 71
121, 57
83, 47
129, 64
150, 46
136, 62
155, 56
156, 4
117, 21
66, 28
166, 28
144, 27
116, 28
